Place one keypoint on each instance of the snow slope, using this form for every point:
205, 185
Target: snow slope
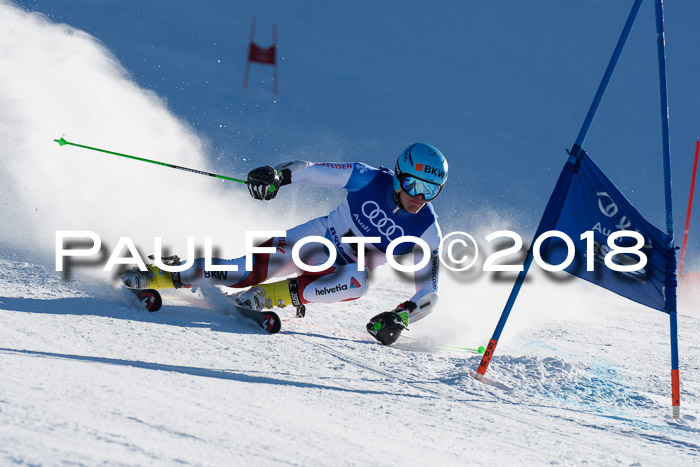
89, 378
581, 375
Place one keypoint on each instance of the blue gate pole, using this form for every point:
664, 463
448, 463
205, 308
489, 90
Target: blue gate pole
553, 210
671, 283
606, 79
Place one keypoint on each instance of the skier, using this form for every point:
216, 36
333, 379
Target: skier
379, 203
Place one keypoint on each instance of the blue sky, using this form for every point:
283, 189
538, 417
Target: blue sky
500, 87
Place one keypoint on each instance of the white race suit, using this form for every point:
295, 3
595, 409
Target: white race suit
369, 210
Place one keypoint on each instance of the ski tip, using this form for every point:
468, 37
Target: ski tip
268, 320
149, 299
271, 322
61, 141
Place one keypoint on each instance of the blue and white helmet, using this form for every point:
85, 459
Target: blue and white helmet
420, 169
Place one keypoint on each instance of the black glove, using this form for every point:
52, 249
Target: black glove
386, 327
260, 180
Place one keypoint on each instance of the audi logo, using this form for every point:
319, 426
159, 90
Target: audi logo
610, 208
378, 218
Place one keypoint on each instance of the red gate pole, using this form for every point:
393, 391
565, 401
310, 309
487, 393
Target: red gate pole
247, 57
690, 208
274, 65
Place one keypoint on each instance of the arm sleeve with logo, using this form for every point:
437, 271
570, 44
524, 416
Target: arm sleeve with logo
427, 279
349, 175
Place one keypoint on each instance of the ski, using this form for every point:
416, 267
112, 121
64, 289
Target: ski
149, 299
214, 299
478, 350
268, 320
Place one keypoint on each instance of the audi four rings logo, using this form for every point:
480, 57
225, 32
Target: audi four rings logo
378, 218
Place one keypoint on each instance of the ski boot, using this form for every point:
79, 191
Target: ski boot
253, 298
153, 277
280, 294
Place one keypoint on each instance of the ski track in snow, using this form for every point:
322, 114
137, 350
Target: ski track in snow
89, 378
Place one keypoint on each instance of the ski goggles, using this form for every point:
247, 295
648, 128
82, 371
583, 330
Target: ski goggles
415, 186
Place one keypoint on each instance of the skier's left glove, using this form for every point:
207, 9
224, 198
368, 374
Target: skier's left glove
264, 183
386, 327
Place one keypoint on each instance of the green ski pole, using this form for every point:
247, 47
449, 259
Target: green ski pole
63, 142
479, 350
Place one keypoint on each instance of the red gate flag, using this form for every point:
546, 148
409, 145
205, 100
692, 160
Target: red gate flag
264, 55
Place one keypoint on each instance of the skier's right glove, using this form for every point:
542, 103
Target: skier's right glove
386, 327
264, 183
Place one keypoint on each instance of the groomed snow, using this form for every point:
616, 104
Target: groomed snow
580, 376
89, 378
